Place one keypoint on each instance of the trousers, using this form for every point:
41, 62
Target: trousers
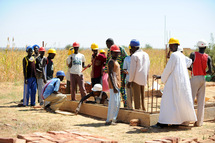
56, 100
40, 85
113, 106
75, 80
138, 92
31, 91
198, 91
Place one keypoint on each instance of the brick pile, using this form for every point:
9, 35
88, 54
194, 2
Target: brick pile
67, 136
177, 140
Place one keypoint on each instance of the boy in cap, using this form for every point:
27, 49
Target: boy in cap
76, 63
50, 65
36, 51
114, 81
99, 95
29, 72
98, 61
40, 73
201, 62
50, 93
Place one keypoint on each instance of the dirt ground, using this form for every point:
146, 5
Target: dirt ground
22, 120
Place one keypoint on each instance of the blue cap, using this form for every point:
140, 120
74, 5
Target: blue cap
36, 46
29, 47
134, 43
60, 73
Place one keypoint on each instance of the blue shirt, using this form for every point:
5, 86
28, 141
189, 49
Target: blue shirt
50, 87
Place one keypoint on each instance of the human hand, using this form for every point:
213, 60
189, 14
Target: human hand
26, 81
129, 85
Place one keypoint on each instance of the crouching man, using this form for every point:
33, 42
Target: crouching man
99, 95
50, 93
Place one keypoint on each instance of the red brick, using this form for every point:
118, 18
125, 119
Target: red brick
206, 141
57, 132
153, 142
20, 141
163, 140
172, 139
7, 140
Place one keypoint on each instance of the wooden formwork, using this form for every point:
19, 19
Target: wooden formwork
100, 111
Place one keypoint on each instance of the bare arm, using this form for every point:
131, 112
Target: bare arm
209, 65
24, 70
192, 56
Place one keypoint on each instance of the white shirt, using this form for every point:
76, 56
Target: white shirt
139, 67
77, 60
126, 66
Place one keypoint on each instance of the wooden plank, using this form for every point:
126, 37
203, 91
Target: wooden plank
100, 111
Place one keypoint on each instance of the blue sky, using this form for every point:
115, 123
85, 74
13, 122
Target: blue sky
62, 22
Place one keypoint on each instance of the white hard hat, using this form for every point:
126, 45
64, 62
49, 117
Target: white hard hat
180, 49
97, 87
202, 43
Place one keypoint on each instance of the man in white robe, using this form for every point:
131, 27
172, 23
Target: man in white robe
176, 104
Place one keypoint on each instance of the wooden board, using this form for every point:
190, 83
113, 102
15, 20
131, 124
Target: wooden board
64, 113
100, 111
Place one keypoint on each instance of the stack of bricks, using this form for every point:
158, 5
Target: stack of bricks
177, 140
67, 136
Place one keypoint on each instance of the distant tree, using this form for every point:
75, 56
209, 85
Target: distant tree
148, 46
68, 46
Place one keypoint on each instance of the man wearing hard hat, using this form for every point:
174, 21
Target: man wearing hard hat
114, 81
98, 61
50, 65
176, 104
29, 71
201, 61
138, 73
41, 61
50, 93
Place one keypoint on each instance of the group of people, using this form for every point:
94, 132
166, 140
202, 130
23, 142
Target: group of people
123, 74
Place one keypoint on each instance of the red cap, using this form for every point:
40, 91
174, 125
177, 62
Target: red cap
75, 44
115, 48
42, 49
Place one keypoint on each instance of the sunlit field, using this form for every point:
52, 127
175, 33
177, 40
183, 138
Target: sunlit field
11, 62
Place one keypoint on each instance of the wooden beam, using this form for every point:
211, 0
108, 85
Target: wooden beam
100, 111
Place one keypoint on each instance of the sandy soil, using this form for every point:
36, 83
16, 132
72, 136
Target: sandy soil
18, 120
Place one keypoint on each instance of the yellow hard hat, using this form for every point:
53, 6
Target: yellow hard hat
94, 46
174, 41
102, 51
52, 51
71, 51
129, 47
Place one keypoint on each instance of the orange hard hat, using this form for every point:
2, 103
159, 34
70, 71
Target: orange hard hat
115, 48
42, 49
75, 44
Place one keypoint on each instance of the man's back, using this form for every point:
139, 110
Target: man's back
139, 67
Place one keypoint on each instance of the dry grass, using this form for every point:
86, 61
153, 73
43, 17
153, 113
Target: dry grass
11, 62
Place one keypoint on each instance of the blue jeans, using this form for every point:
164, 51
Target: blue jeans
31, 91
113, 106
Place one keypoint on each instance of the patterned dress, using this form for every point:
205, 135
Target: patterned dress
120, 60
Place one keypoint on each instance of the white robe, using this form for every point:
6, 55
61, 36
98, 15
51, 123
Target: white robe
176, 103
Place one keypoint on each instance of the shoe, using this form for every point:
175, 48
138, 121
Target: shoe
48, 109
108, 123
196, 125
21, 105
47, 106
